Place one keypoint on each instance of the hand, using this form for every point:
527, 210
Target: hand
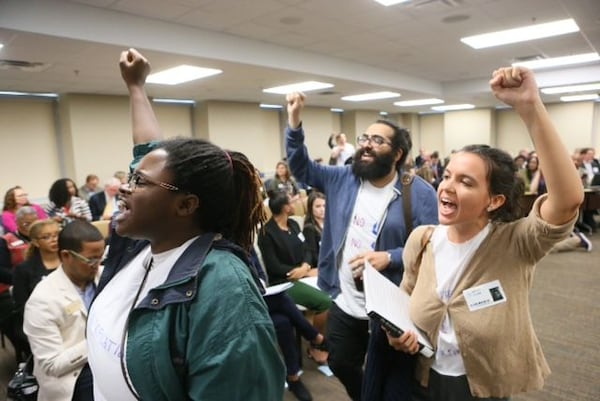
134, 67
298, 272
295, 104
380, 260
515, 86
406, 343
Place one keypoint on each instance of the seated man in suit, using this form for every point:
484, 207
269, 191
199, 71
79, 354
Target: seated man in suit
104, 204
56, 312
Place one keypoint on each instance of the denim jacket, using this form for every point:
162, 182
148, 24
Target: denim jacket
341, 187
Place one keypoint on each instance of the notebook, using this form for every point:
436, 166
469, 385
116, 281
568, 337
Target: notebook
389, 304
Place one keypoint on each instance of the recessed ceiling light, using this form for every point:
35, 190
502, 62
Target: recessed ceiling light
571, 88
33, 94
180, 74
298, 87
174, 101
388, 3
270, 106
1, 45
418, 102
452, 107
336, 110
577, 98
370, 96
558, 61
521, 34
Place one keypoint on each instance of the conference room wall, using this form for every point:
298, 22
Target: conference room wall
29, 146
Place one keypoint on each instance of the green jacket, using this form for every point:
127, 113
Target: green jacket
205, 334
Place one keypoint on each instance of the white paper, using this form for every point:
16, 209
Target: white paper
276, 289
391, 303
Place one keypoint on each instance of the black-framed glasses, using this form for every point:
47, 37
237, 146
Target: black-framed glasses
87, 261
375, 140
137, 179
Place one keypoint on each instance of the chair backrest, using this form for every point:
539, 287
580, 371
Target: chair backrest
103, 226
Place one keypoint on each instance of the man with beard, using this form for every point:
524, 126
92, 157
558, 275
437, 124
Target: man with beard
364, 221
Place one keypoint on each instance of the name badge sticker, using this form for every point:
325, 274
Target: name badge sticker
301, 236
484, 295
73, 307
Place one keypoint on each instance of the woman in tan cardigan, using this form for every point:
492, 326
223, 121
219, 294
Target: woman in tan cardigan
470, 290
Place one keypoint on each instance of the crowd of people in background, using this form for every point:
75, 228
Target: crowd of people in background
355, 211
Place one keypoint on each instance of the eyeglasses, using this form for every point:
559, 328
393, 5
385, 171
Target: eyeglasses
136, 179
375, 140
46, 237
87, 261
23, 195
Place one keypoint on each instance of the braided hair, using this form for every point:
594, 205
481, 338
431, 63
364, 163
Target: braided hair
226, 184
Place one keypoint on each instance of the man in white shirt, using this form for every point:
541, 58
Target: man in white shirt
56, 312
342, 151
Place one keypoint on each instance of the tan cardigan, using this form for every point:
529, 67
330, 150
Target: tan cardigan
501, 352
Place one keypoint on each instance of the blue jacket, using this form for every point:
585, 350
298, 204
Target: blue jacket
341, 187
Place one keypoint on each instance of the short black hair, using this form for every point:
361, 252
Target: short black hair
278, 201
400, 140
75, 233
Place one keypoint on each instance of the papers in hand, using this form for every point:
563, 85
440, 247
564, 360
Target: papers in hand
276, 289
390, 305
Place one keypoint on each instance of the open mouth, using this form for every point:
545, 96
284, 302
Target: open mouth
447, 205
124, 210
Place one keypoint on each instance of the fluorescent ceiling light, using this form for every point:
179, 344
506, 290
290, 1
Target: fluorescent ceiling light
10, 93
298, 87
570, 88
522, 34
558, 61
418, 102
452, 107
388, 3
383, 113
370, 96
180, 74
577, 98
270, 106
336, 110
175, 101
1, 45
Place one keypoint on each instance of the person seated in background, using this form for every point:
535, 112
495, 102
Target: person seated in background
56, 312
283, 181
281, 243
313, 227
437, 168
13, 247
104, 204
40, 260
287, 319
121, 176
89, 188
529, 172
14, 199
64, 205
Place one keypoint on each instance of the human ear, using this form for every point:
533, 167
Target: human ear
496, 202
187, 205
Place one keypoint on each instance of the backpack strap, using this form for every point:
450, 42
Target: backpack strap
406, 179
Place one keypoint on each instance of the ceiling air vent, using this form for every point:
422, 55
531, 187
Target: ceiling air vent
23, 65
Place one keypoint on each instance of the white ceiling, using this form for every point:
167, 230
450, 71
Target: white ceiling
358, 45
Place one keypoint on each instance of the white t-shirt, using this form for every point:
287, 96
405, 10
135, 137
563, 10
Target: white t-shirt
367, 218
450, 262
108, 315
347, 152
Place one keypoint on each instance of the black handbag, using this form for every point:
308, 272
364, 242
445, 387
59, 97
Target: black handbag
23, 386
